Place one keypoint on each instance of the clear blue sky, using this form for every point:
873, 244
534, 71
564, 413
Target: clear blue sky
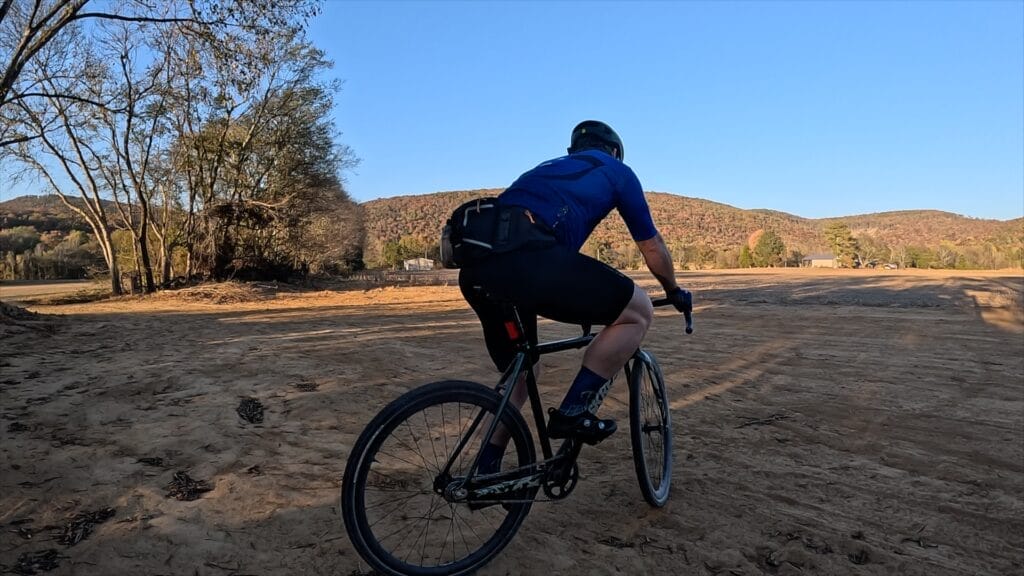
814, 108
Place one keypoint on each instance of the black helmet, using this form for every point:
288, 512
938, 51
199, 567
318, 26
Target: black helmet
594, 134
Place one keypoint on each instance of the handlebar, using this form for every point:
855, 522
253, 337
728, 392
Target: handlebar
687, 313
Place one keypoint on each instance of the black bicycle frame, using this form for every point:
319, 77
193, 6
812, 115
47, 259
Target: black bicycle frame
524, 351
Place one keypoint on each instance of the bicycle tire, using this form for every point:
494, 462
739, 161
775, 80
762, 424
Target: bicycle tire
390, 478
650, 429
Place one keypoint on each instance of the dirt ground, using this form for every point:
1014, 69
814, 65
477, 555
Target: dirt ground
825, 422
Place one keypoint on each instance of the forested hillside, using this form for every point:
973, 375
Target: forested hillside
705, 234
44, 213
409, 226
43, 238
40, 237
928, 227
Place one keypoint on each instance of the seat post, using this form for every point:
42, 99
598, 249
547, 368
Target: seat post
514, 327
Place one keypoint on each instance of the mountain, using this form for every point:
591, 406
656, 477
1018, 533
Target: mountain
929, 227
420, 217
44, 213
710, 233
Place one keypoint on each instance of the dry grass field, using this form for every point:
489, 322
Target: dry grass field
826, 422
35, 289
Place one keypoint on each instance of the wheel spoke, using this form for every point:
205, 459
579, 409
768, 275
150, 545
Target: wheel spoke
403, 521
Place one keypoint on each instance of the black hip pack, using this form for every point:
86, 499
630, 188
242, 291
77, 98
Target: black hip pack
482, 227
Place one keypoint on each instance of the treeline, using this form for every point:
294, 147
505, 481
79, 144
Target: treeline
28, 254
192, 137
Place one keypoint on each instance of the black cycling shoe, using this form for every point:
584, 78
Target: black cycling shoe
584, 427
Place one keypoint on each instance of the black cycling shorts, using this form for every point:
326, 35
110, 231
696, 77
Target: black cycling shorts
557, 283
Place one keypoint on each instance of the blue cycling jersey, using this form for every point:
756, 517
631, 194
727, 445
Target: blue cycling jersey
573, 193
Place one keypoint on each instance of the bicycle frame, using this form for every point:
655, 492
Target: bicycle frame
515, 479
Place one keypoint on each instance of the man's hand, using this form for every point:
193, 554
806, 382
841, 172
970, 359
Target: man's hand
681, 299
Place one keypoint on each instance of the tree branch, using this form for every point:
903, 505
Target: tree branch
147, 19
34, 39
4, 8
79, 99
18, 140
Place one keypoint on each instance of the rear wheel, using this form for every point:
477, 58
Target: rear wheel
393, 494
650, 428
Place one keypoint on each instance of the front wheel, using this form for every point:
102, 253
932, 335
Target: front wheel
398, 513
650, 428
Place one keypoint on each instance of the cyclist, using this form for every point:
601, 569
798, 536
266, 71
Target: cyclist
563, 200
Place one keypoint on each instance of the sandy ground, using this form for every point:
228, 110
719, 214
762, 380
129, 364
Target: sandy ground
826, 422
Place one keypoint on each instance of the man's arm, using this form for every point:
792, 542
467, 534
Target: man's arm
659, 261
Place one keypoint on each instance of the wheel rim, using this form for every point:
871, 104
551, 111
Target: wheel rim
410, 526
653, 433
653, 430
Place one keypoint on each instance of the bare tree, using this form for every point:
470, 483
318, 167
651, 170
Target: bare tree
60, 134
254, 143
64, 116
165, 221
135, 134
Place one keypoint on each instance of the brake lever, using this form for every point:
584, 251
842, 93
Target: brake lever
687, 312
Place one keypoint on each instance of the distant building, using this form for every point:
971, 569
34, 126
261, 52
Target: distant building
819, 261
418, 264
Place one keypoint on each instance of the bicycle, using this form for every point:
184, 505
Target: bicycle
412, 499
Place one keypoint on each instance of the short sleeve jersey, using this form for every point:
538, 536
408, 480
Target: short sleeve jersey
573, 193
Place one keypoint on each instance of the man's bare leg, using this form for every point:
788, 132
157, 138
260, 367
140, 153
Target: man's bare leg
604, 357
608, 353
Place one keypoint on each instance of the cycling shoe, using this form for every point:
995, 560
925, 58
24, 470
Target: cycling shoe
584, 427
